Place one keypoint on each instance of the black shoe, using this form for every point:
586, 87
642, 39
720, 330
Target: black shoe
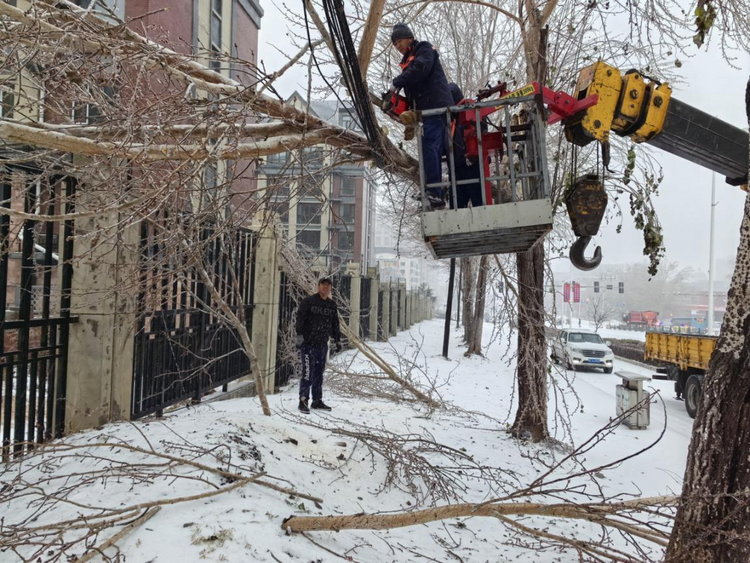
303, 408
320, 405
436, 202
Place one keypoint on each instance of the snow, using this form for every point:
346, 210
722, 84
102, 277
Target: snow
245, 524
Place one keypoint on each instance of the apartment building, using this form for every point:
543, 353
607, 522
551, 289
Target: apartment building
326, 206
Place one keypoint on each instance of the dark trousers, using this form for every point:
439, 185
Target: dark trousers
313, 364
433, 146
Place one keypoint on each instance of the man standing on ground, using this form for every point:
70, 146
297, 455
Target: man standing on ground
317, 322
424, 83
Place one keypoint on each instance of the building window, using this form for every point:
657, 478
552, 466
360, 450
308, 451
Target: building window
346, 242
279, 158
278, 186
7, 101
348, 213
312, 186
215, 33
348, 185
313, 156
348, 122
282, 209
210, 177
309, 238
84, 112
308, 213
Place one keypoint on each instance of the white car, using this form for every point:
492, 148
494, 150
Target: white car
578, 348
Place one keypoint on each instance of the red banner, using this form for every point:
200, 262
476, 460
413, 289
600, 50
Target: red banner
576, 292
566, 292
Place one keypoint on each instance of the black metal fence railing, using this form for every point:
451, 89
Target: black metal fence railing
364, 307
184, 345
286, 351
34, 336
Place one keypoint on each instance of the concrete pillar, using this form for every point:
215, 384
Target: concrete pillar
386, 324
408, 308
402, 308
266, 300
101, 343
355, 298
394, 309
374, 289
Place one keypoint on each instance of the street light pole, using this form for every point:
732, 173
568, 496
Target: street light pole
711, 259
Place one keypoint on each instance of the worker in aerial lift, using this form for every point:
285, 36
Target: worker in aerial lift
424, 83
465, 170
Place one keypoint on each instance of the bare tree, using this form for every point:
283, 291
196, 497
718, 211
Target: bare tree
600, 310
711, 522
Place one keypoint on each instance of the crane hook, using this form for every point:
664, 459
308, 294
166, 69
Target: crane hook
579, 260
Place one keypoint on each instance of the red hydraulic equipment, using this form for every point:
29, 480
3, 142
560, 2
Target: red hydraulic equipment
560, 106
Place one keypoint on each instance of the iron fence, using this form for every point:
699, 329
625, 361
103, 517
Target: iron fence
364, 307
286, 351
34, 339
185, 345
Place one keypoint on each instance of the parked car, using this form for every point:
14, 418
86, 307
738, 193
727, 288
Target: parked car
577, 348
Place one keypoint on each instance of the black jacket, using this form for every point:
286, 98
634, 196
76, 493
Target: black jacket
423, 80
318, 320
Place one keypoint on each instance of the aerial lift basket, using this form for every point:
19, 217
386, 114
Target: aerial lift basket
517, 210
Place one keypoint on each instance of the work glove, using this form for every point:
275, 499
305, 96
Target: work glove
299, 340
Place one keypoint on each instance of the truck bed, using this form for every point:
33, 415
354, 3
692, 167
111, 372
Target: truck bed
683, 350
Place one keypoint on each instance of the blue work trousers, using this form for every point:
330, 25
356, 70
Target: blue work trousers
313, 365
433, 147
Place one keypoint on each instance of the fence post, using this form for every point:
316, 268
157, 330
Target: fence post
386, 311
266, 298
101, 343
402, 305
394, 308
374, 290
355, 295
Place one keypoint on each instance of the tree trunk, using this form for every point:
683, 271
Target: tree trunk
477, 318
713, 520
531, 416
467, 296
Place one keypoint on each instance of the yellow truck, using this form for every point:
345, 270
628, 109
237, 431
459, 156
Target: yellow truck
686, 358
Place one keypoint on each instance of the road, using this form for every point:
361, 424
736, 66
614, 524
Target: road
658, 470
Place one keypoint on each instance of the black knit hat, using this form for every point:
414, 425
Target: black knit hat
401, 31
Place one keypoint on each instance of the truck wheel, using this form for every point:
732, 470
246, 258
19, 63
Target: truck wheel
693, 394
569, 365
608, 370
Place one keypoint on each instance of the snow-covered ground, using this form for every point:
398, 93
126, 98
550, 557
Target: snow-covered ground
326, 461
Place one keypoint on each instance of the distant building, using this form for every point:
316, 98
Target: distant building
396, 261
329, 211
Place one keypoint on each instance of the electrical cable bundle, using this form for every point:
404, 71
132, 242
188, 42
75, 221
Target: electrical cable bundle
346, 57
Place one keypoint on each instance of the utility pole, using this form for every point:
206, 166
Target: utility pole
458, 301
711, 259
448, 307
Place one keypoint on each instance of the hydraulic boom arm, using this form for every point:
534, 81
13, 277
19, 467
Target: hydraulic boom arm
631, 105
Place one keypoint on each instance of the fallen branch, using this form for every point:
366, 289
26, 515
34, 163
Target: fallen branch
99, 550
596, 513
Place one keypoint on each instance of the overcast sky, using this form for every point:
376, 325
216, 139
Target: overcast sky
683, 204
